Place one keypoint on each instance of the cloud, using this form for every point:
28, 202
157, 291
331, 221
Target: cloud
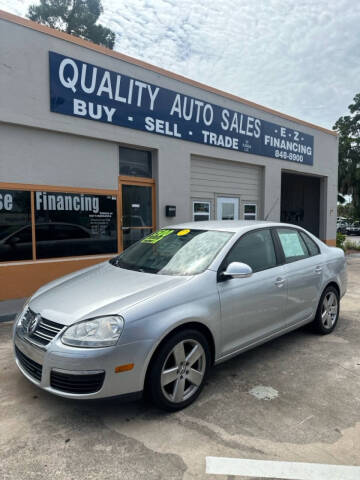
299, 57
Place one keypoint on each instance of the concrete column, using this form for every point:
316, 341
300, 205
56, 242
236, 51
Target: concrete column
272, 193
330, 210
173, 185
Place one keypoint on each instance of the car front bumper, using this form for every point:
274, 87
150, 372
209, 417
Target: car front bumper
82, 373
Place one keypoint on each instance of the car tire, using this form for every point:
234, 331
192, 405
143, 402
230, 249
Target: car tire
175, 380
327, 314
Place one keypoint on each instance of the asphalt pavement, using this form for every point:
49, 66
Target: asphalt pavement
294, 399
9, 308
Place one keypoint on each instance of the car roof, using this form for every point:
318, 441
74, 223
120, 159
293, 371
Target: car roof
228, 225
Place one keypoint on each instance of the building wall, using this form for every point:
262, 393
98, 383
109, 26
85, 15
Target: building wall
44, 148
25, 79
37, 156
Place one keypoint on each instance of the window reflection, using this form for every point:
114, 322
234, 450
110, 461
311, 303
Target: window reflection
133, 235
137, 206
15, 225
136, 163
71, 224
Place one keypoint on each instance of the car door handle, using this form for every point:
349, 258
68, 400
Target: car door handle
279, 282
318, 269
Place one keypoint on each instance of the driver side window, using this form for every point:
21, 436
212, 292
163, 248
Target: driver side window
256, 249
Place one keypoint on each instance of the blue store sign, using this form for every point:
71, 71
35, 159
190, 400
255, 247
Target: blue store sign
84, 90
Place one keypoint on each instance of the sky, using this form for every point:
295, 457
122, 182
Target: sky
300, 57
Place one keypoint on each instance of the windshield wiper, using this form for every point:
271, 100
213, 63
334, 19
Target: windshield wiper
127, 266
148, 270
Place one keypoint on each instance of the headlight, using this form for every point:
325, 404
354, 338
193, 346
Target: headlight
98, 332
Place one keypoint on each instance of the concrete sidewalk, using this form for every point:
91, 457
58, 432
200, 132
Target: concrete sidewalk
9, 308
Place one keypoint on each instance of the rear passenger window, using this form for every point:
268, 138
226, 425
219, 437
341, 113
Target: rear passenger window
292, 244
256, 249
311, 245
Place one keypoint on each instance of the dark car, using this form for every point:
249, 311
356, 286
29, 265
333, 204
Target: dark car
341, 228
353, 229
55, 239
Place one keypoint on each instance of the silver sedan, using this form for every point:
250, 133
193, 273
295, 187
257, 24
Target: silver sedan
156, 317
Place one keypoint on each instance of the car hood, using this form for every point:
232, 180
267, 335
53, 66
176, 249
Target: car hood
100, 290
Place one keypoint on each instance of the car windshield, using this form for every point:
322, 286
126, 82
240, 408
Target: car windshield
173, 252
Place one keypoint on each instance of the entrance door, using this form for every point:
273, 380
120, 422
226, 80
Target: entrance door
137, 209
300, 201
227, 208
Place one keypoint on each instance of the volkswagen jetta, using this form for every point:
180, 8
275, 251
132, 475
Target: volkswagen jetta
157, 316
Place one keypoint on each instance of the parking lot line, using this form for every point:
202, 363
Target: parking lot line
283, 470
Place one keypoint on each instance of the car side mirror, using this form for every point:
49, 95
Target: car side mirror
237, 270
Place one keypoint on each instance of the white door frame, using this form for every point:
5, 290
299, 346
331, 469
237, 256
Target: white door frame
221, 200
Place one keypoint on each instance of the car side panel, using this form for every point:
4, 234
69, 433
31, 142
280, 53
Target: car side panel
335, 269
252, 308
305, 281
196, 301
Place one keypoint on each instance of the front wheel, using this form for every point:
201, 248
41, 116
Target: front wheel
179, 370
327, 314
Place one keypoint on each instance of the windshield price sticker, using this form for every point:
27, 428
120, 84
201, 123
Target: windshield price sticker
156, 236
183, 232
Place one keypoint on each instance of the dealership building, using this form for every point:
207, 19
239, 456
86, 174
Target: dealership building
98, 149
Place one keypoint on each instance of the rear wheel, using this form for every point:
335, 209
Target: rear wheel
327, 314
179, 370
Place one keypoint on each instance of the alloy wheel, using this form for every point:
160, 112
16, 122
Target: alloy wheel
329, 310
183, 371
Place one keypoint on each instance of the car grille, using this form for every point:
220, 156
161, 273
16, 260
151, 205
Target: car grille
45, 331
80, 384
32, 368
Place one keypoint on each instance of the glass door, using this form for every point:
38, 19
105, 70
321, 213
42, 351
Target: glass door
227, 208
137, 210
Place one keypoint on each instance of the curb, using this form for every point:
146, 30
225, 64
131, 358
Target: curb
7, 318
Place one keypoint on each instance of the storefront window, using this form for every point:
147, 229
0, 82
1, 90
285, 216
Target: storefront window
201, 211
250, 211
15, 225
135, 163
71, 224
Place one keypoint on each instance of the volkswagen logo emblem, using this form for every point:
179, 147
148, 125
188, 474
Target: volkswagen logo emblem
31, 327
